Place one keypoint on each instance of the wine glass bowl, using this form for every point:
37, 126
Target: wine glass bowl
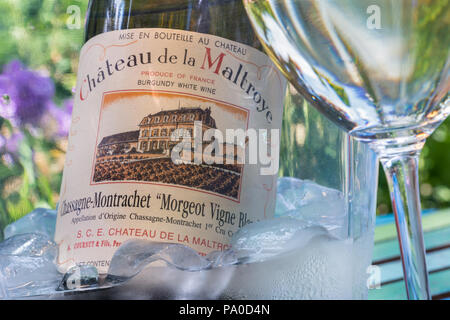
378, 82
380, 70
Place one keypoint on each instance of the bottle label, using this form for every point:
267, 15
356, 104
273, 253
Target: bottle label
173, 139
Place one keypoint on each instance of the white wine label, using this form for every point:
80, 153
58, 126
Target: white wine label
173, 139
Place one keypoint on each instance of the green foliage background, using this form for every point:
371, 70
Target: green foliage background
36, 33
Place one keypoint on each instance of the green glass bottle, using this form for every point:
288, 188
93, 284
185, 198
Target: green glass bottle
223, 18
148, 71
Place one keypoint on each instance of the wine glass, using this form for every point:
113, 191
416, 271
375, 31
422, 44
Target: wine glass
380, 70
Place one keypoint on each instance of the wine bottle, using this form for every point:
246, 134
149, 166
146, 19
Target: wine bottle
174, 134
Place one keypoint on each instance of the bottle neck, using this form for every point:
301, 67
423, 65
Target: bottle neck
223, 18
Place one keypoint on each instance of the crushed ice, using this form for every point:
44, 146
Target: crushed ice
304, 211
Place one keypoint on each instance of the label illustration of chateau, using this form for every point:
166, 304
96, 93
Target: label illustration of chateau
144, 155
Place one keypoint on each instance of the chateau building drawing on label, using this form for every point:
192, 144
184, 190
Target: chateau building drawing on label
155, 130
145, 154
120, 143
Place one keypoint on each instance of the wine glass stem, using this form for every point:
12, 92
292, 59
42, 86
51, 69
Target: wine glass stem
402, 175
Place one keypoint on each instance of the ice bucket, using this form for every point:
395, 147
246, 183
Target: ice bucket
317, 245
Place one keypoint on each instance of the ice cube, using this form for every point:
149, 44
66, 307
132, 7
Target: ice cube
224, 258
24, 276
29, 244
146, 269
268, 238
306, 200
134, 255
290, 194
38, 221
27, 266
159, 281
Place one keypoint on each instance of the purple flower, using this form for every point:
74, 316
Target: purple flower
10, 146
13, 143
29, 94
62, 117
